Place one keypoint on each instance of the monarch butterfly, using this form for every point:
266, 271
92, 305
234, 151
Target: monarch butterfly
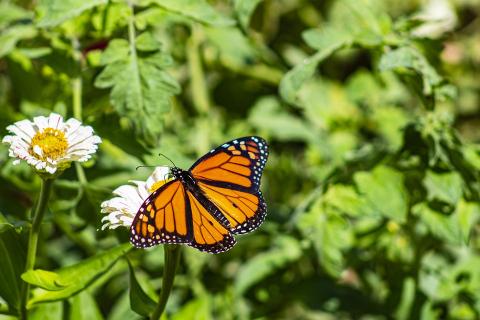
204, 206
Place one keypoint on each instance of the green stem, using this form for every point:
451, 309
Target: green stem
172, 256
201, 100
38, 214
77, 88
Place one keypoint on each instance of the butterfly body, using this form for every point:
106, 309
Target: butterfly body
204, 206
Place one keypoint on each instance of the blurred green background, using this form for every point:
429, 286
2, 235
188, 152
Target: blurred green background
372, 112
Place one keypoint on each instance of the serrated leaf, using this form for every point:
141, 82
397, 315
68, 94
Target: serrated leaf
286, 250
54, 12
141, 88
244, 10
140, 302
384, 189
199, 10
74, 278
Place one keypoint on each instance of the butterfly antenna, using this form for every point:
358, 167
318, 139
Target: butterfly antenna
161, 154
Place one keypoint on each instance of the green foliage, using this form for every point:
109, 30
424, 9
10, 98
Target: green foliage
371, 112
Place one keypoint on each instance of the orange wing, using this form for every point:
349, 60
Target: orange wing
229, 176
244, 211
162, 218
208, 234
173, 215
237, 164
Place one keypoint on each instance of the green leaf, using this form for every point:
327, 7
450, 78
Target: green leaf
198, 10
84, 307
140, 302
244, 10
54, 12
47, 280
12, 263
280, 125
141, 88
366, 20
404, 309
234, 47
408, 59
329, 233
454, 228
384, 189
328, 41
198, 309
346, 200
467, 214
11, 36
444, 186
51, 311
286, 250
10, 13
74, 278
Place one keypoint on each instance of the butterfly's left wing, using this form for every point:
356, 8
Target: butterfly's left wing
164, 217
230, 176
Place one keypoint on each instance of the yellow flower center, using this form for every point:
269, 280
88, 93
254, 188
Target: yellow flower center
158, 184
50, 143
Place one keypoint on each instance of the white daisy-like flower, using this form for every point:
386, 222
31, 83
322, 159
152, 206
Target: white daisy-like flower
122, 209
50, 144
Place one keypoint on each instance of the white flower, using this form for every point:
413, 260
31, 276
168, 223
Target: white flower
438, 16
122, 209
50, 143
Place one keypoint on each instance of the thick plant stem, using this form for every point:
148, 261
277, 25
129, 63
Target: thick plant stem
172, 256
38, 214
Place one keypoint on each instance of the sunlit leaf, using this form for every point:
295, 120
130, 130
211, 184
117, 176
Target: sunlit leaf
52, 310
444, 186
54, 12
198, 10
74, 278
385, 191
84, 307
244, 10
286, 250
141, 88
198, 309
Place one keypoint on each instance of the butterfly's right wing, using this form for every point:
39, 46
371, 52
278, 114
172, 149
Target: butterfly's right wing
208, 234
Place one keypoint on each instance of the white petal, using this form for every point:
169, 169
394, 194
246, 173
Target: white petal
41, 122
55, 121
